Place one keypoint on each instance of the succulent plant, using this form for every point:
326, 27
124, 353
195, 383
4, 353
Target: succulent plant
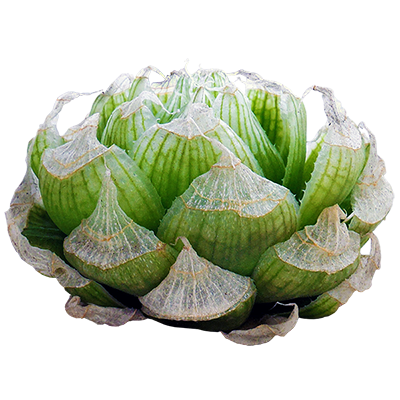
201, 205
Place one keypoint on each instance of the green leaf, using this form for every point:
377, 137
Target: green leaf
231, 106
339, 155
311, 262
41, 231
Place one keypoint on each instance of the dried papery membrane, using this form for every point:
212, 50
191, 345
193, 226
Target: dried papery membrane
26, 196
112, 249
312, 261
263, 329
89, 123
232, 107
372, 196
244, 79
335, 164
47, 136
231, 215
44, 260
71, 175
110, 316
197, 290
361, 280
129, 121
63, 101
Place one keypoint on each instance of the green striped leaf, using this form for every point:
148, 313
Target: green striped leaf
186, 142
361, 280
177, 101
129, 121
181, 141
71, 175
312, 261
106, 102
232, 107
46, 138
339, 156
164, 90
110, 248
231, 215
201, 293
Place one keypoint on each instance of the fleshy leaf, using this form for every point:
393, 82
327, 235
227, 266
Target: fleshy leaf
311, 262
112, 249
232, 107
44, 260
47, 136
197, 290
185, 141
129, 121
231, 215
283, 118
71, 176
108, 101
336, 166
179, 98
361, 280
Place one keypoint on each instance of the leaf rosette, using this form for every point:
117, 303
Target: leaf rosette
200, 205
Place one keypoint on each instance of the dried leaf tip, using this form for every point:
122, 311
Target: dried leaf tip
227, 158
185, 241
145, 72
198, 291
333, 109
130, 107
330, 233
61, 101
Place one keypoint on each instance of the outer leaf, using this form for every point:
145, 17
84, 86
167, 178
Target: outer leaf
311, 262
110, 248
263, 329
329, 302
198, 291
40, 254
338, 164
372, 196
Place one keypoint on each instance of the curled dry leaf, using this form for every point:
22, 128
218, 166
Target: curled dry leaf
265, 328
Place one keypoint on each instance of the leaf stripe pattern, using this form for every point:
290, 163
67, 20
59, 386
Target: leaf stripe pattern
196, 290
75, 170
338, 165
230, 194
311, 262
231, 107
112, 249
